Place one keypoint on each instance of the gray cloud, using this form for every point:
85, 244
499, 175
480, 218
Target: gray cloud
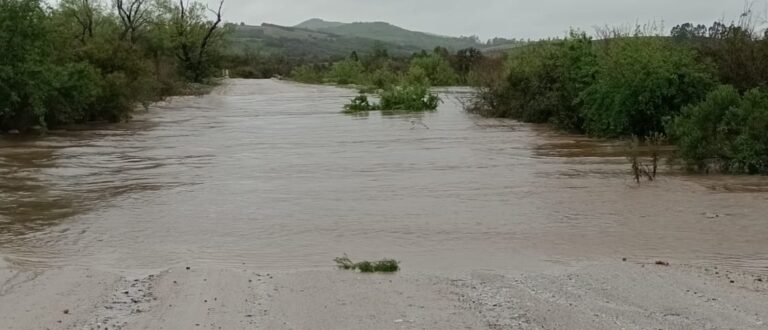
487, 18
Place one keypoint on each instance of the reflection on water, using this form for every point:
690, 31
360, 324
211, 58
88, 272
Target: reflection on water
273, 175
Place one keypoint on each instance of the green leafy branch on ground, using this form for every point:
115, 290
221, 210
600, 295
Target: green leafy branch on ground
381, 266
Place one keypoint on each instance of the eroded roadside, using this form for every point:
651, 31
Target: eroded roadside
620, 295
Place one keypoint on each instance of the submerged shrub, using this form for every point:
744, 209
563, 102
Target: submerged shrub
397, 98
409, 98
358, 104
726, 130
491, 90
645, 166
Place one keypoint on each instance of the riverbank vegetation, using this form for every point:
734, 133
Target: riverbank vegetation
76, 61
402, 84
377, 69
702, 86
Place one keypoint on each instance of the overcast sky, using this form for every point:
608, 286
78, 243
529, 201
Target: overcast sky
487, 18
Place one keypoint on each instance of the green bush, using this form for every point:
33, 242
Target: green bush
726, 130
74, 90
640, 81
347, 72
409, 98
417, 76
383, 78
491, 96
307, 74
532, 81
438, 71
578, 66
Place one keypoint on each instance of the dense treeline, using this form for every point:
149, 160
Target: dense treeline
83, 60
704, 87
379, 70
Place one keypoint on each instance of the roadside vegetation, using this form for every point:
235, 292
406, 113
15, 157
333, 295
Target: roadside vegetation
703, 87
76, 61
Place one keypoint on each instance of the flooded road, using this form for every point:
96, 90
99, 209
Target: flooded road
272, 175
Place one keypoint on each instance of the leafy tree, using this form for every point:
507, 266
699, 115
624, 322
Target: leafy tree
717, 30
689, 31
384, 77
347, 72
197, 40
436, 68
417, 76
639, 82
379, 50
466, 59
134, 16
740, 57
85, 13
24, 56
307, 74
78, 61
442, 52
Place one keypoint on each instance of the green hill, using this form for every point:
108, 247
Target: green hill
300, 42
392, 34
316, 24
322, 39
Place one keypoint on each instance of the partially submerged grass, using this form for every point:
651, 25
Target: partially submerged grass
360, 104
381, 266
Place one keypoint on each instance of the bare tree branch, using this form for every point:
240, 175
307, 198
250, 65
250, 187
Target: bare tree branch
134, 17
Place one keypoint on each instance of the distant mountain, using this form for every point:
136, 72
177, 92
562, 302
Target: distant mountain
316, 24
300, 42
322, 39
386, 32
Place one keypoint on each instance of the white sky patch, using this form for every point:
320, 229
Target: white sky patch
490, 18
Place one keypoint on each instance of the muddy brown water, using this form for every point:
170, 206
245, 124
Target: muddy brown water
272, 175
